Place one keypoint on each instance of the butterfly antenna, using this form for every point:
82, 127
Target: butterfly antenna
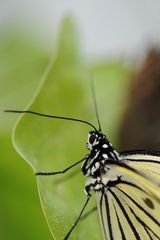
51, 116
95, 102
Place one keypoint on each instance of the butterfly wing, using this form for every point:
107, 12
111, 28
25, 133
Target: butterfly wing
147, 162
129, 208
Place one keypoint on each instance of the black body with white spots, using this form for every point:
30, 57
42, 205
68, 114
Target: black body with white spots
95, 164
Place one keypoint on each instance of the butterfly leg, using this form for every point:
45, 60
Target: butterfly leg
88, 213
79, 216
88, 188
60, 172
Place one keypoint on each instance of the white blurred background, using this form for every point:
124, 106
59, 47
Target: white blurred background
106, 27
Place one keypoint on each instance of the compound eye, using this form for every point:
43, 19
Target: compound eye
92, 138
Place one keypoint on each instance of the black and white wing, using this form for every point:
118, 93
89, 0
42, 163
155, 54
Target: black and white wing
129, 207
146, 162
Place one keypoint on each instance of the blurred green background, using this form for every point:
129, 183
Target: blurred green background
21, 66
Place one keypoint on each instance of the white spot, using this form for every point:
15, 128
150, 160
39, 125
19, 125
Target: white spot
97, 164
105, 145
98, 186
95, 143
105, 155
95, 167
88, 172
105, 180
89, 146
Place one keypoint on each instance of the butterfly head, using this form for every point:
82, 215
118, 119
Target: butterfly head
94, 138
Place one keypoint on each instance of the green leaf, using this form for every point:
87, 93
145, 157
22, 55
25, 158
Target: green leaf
52, 144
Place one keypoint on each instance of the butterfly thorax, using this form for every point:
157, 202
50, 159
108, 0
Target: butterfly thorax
101, 151
95, 166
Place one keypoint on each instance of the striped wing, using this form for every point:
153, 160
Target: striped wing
147, 162
129, 209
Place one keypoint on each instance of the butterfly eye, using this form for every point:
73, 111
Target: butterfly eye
92, 138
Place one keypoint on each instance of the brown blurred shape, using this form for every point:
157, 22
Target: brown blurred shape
140, 127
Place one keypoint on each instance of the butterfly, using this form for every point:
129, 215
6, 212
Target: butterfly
126, 186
